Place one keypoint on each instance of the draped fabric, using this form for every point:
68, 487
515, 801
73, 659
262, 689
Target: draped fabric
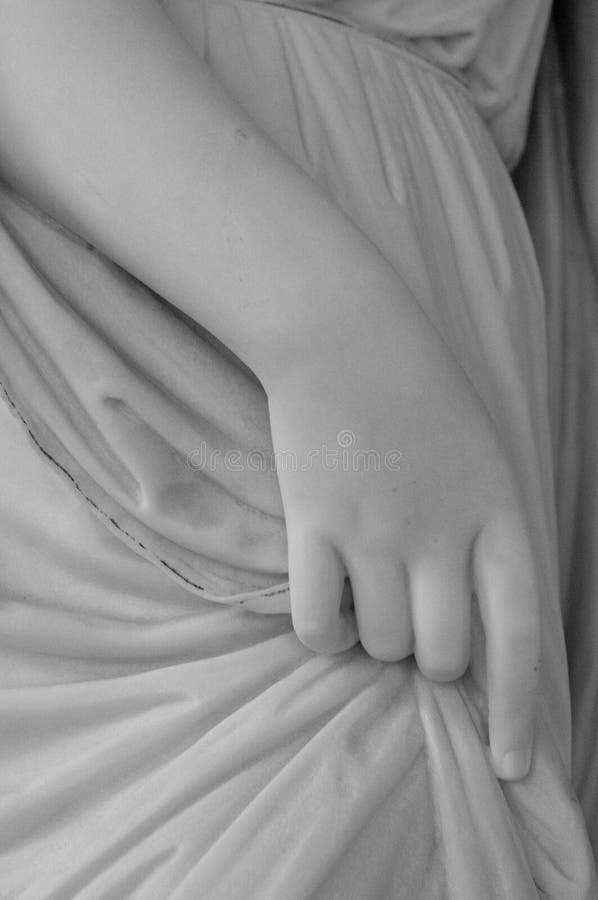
160, 741
545, 184
138, 410
493, 46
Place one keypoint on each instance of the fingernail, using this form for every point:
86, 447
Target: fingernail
515, 764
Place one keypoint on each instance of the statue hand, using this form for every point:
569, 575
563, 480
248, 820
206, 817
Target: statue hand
391, 473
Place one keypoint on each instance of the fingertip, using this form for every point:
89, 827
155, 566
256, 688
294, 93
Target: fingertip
514, 764
512, 741
441, 671
388, 644
329, 638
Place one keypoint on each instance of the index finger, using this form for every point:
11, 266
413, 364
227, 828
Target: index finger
508, 595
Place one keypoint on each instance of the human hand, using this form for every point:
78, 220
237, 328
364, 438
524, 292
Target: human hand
421, 510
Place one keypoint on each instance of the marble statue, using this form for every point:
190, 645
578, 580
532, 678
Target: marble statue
281, 610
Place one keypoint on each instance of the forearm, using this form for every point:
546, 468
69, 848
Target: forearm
112, 124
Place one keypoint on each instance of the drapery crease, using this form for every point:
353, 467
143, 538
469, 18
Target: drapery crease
158, 741
546, 187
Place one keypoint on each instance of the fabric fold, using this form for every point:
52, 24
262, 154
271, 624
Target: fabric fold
157, 744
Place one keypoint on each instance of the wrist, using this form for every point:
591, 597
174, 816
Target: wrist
362, 316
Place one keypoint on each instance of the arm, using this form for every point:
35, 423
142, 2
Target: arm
112, 124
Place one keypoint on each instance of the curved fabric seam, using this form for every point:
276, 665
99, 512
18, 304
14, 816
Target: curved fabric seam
233, 599
402, 51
